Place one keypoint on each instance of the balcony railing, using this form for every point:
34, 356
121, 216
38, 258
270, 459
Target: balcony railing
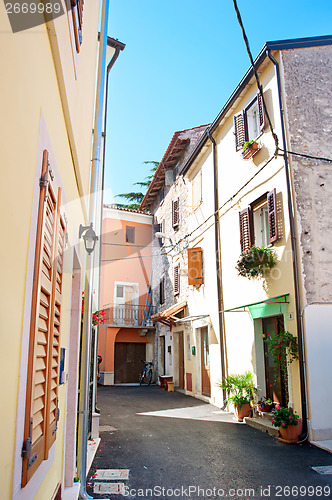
128, 315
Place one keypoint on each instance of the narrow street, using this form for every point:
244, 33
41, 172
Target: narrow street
176, 446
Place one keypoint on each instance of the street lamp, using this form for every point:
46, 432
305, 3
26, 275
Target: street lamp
89, 237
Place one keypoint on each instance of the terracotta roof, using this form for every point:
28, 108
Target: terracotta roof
167, 316
173, 153
124, 209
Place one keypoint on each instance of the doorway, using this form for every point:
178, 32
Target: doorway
128, 361
181, 360
276, 383
205, 360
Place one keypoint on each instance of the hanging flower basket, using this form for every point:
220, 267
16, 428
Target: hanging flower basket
256, 262
283, 348
249, 149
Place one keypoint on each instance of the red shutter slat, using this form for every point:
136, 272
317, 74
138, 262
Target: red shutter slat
246, 239
175, 212
177, 279
272, 215
239, 131
261, 111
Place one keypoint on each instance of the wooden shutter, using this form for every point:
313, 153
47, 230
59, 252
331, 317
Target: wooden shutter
246, 238
195, 266
177, 279
162, 291
272, 215
77, 12
261, 111
41, 361
239, 131
175, 212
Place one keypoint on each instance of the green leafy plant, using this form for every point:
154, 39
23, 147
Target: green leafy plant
283, 417
247, 144
278, 346
256, 262
240, 388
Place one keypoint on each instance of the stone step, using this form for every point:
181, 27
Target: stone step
262, 424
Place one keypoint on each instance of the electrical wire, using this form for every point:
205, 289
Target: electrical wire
309, 157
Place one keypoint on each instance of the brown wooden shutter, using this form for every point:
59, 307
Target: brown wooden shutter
77, 12
52, 415
246, 238
261, 111
42, 377
239, 131
177, 279
34, 428
162, 291
175, 212
195, 266
272, 215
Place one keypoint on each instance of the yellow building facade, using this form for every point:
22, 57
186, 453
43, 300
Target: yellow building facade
48, 88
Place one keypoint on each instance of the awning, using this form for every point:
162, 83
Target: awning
279, 299
167, 316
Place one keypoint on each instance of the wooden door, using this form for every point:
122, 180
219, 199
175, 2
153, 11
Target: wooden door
205, 359
276, 385
181, 360
127, 362
162, 355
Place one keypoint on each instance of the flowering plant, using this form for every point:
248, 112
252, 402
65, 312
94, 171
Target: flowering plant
277, 345
98, 317
283, 417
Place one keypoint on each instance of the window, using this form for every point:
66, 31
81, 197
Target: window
130, 234
177, 279
175, 212
258, 222
77, 11
249, 124
119, 291
197, 190
195, 266
42, 414
162, 291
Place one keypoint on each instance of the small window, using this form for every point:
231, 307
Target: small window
162, 291
175, 212
177, 279
258, 222
250, 123
119, 291
197, 190
130, 234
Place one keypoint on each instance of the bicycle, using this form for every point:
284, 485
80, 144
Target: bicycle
146, 373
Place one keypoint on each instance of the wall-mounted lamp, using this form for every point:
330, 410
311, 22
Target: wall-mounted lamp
89, 237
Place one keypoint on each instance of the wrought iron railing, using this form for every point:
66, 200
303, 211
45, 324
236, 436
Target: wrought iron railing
128, 315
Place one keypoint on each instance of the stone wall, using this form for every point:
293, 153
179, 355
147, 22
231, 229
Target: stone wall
308, 96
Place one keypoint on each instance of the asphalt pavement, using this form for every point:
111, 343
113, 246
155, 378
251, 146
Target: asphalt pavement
175, 446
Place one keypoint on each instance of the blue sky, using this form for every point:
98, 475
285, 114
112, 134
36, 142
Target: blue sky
182, 61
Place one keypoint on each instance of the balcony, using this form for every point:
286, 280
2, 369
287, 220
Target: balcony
128, 315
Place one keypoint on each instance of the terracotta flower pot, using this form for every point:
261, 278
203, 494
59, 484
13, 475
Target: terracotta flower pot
242, 412
290, 434
265, 408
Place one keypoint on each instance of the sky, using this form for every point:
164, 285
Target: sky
182, 60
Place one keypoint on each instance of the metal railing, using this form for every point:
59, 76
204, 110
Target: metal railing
127, 315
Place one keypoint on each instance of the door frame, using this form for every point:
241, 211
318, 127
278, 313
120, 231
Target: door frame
205, 331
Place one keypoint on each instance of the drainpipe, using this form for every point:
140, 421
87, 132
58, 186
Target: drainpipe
300, 338
218, 256
87, 316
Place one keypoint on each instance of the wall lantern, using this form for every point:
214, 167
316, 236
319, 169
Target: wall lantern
89, 237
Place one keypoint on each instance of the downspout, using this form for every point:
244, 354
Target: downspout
300, 339
218, 256
87, 315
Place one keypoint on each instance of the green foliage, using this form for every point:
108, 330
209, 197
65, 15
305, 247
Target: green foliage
240, 388
247, 144
256, 262
135, 198
278, 345
283, 417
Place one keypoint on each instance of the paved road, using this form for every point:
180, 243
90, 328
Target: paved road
176, 446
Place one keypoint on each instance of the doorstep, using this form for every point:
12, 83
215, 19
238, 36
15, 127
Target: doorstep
262, 422
324, 445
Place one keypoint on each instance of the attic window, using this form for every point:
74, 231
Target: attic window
250, 123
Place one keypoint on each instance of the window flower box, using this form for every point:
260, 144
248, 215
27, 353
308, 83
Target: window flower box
250, 149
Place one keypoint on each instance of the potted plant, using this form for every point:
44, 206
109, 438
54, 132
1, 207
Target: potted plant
240, 390
265, 405
278, 346
256, 262
249, 149
288, 422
